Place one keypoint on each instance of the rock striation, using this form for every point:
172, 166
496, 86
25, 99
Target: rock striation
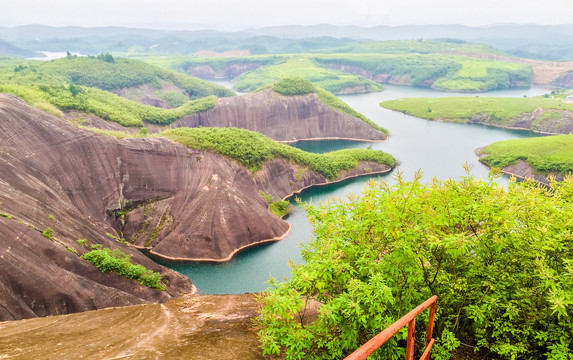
283, 118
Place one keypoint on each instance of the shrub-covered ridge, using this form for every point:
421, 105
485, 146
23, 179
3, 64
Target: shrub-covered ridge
251, 149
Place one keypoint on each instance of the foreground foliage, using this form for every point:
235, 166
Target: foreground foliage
251, 149
500, 260
545, 154
120, 262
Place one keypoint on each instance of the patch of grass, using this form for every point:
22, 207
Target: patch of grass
7, 216
545, 154
47, 233
293, 86
279, 208
251, 149
174, 99
117, 261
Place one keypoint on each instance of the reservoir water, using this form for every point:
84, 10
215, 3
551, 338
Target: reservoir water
438, 149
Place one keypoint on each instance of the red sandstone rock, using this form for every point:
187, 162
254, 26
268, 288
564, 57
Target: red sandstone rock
283, 118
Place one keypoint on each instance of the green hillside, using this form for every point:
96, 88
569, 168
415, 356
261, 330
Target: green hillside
108, 73
501, 110
545, 154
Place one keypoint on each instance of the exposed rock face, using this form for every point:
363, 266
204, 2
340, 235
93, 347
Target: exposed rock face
179, 202
564, 80
53, 175
539, 121
283, 118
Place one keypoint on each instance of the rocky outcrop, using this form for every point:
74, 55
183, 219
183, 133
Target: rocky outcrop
543, 121
55, 176
283, 118
179, 203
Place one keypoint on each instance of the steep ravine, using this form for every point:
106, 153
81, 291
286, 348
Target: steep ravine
283, 118
180, 203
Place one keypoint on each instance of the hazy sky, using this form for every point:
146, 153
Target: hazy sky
194, 14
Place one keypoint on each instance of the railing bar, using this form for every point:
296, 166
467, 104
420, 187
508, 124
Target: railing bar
426, 354
430, 323
410, 342
373, 344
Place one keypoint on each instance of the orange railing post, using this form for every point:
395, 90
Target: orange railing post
410, 318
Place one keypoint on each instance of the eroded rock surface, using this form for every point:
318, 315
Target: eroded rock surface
55, 176
283, 118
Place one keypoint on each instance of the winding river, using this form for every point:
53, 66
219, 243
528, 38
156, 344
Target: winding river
438, 149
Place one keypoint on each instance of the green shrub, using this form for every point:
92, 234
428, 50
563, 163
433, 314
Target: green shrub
499, 258
174, 99
7, 216
280, 207
48, 233
117, 261
293, 86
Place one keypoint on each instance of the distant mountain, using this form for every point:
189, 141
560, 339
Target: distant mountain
7, 49
554, 42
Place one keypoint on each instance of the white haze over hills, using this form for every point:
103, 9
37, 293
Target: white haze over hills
232, 15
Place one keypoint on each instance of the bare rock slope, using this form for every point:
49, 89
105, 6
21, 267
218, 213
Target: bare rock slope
283, 118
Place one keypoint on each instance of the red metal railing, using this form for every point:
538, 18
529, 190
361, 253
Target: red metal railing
410, 318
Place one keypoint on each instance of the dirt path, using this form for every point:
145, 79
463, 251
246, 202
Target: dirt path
192, 327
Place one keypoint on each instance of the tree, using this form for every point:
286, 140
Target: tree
499, 258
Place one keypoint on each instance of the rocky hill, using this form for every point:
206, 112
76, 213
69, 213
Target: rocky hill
284, 118
180, 202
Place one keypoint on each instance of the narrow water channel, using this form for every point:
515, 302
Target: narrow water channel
438, 149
